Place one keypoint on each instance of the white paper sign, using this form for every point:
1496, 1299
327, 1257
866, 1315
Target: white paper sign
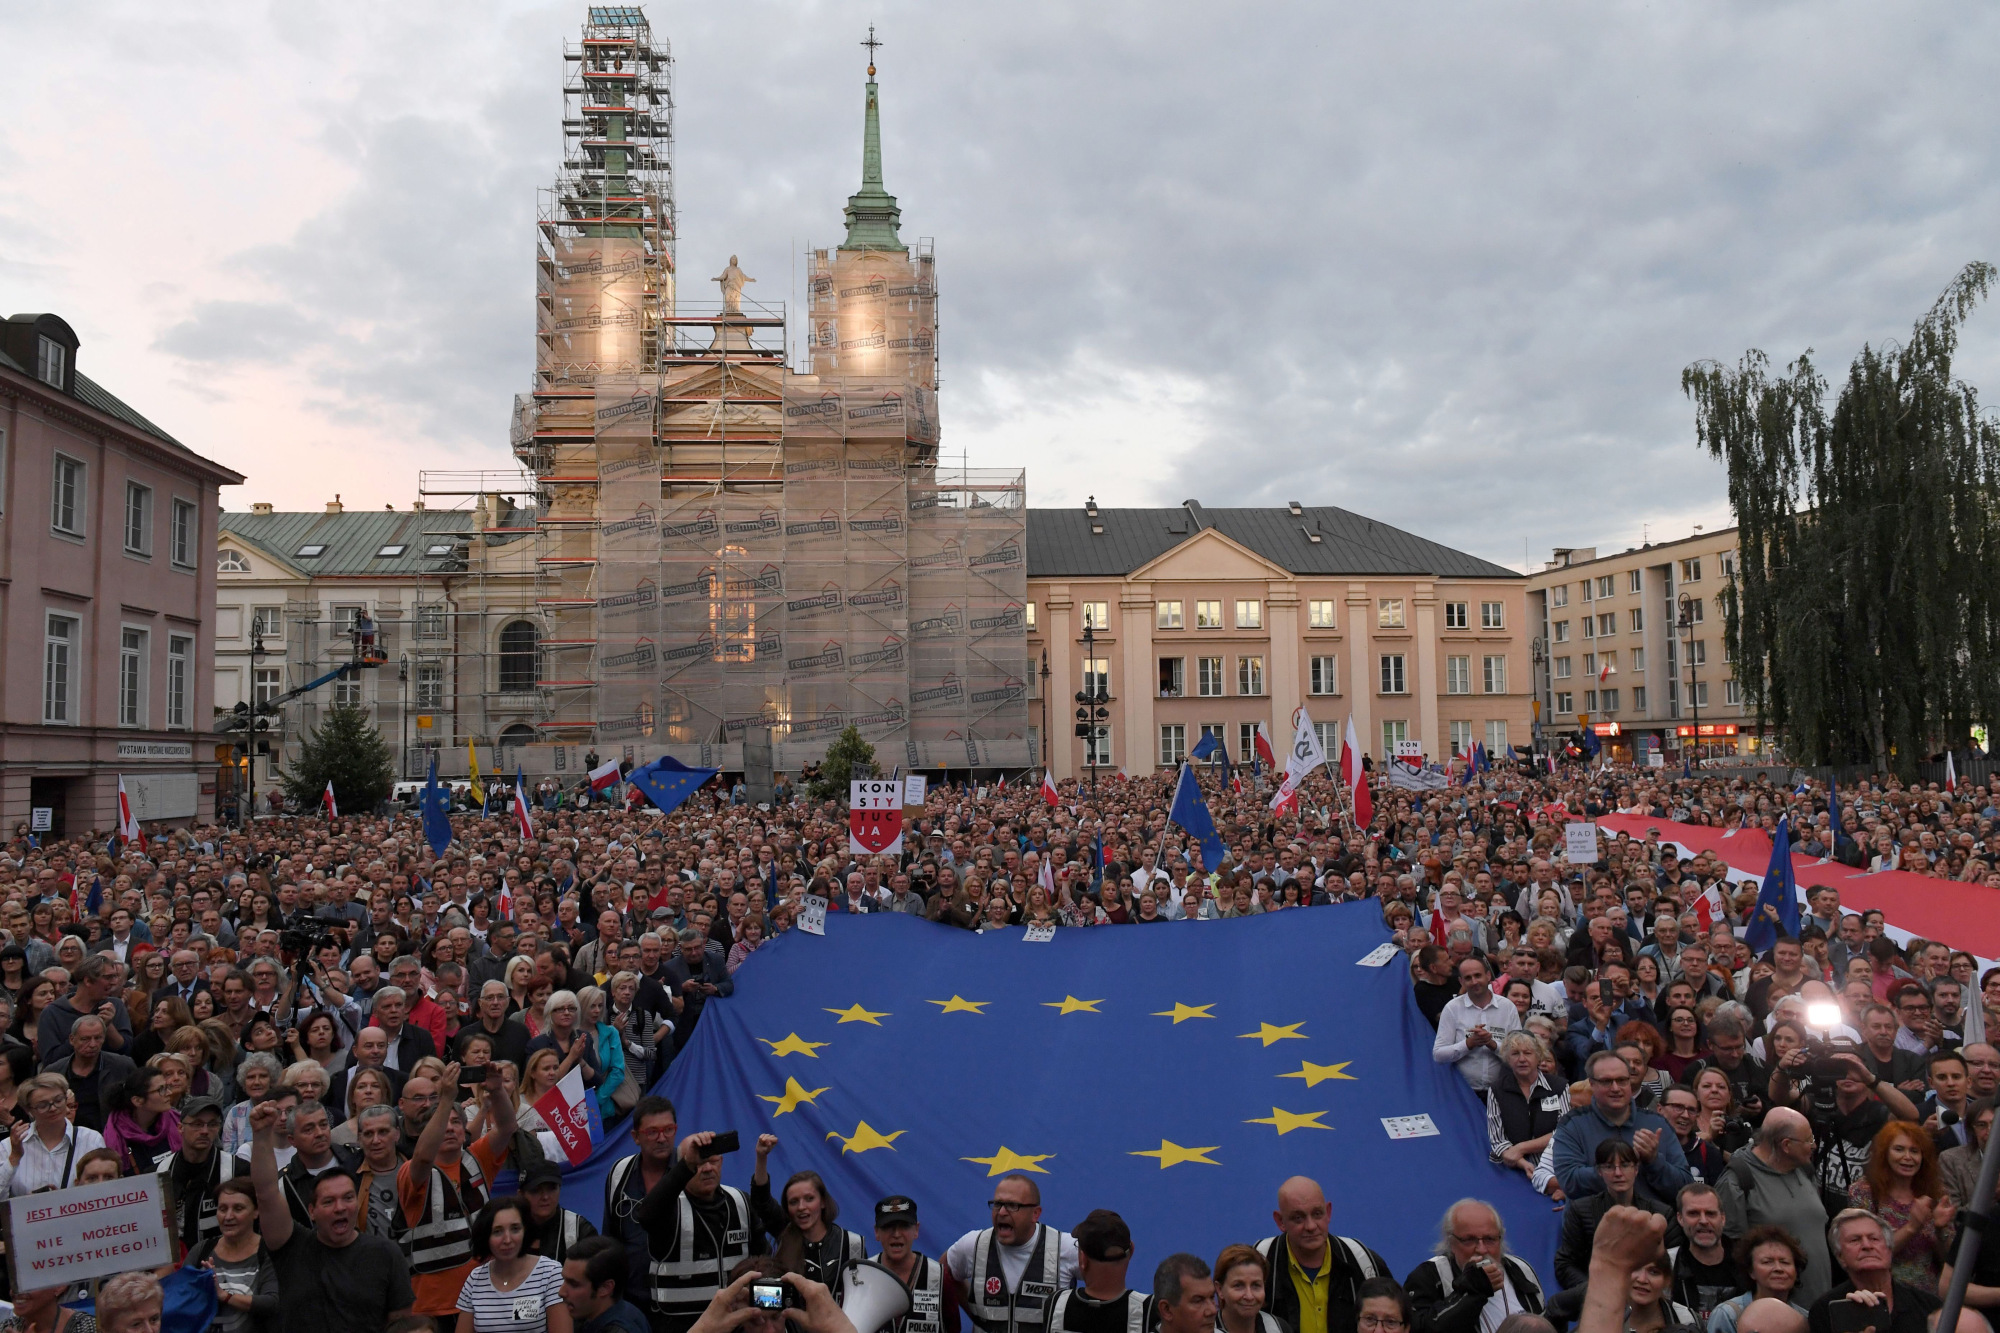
41, 819
914, 788
812, 916
90, 1231
1580, 843
1409, 1126
1039, 934
1379, 956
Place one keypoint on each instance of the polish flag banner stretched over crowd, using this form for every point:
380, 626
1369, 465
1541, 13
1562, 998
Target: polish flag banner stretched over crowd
570, 1112
1913, 905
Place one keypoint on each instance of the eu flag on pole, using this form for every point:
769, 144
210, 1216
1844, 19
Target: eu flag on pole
1191, 813
1176, 1076
1780, 891
667, 782
1833, 817
434, 805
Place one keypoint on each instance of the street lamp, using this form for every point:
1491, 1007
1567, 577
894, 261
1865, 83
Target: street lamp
1046, 742
403, 711
1093, 713
1685, 624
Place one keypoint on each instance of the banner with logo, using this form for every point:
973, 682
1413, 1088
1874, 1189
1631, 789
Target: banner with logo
875, 817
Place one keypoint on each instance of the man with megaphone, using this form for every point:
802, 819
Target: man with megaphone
932, 1306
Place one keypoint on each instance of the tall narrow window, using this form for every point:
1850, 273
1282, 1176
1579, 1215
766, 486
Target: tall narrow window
138, 518
518, 643
59, 670
1392, 674
132, 678
1325, 675
1250, 675
430, 684
184, 534
180, 673
66, 513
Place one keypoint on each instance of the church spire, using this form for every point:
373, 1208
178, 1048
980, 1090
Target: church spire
872, 215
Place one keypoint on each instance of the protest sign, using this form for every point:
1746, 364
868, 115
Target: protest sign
875, 817
88, 1231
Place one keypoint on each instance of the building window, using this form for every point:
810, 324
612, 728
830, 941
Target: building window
138, 518
1562, 631
430, 621
1694, 609
1638, 621
1394, 732
1250, 615
1319, 615
1605, 586
1028, 615
1496, 738
180, 670
1173, 677
1461, 737
183, 535
1392, 674
519, 666
1329, 738
1635, 581
1208, 677
1389, 612
1565, 702
231, 562
1562, 668
1590, 627
1454, 615
1097, 749
391, 551
1727, 562
1698, 653
1590, 701
51, 361
1250, 675
1699, 690
1246, 742
1559, 595
347, 694
1208, 615
1097, 675
268, 622
1590, 664
1494, 673
59, 645
1610, 700
1097, 615
1691, 570
1167, 615
269, 685
1324, 675
1458, 675
1638, 659
1173, 743
67, 514
1732, 692
1492, 615
1218, 730
1639, 698
1607, 624
1586, 589
132, 678
430, 684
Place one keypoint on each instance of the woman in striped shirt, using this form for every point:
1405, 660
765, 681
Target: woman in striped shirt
512, 1290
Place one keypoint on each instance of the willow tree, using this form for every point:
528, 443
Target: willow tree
1868, 587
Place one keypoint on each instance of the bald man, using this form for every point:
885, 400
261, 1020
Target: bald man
1774, 1183
1770, 1315
1311, 1278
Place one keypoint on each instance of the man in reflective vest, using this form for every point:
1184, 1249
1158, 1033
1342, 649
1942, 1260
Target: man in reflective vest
1311, 1278
1102, 1304
1012, 1271
441, 1189
630, 1180
196, 1169
552, 1229
932, 1308
697, 1229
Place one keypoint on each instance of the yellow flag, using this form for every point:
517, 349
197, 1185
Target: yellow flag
478, 791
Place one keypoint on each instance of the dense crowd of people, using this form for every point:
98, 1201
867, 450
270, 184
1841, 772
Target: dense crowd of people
330, 1043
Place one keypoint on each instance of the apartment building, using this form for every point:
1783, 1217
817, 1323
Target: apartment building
1213, 620
1630, 646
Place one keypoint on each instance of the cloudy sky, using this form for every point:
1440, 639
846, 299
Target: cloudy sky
1439, 263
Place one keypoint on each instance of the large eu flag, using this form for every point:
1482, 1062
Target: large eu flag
1176, 1076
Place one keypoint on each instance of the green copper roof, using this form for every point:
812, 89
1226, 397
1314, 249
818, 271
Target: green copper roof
872, 215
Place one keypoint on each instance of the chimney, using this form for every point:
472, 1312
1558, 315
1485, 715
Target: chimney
417, 506
261, 507
333, 506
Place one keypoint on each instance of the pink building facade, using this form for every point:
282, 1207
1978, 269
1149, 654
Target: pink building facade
107, 594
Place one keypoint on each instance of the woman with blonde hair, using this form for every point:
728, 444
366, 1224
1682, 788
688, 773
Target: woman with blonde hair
365, 1088
130, 1303
545, 1070
306, 1078
180, 1076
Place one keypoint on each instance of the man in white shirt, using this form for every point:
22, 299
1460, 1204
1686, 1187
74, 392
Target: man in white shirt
1018, 1237
43, 1154
1471, 1024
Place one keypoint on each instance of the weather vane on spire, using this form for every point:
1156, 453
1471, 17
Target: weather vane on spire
871, 44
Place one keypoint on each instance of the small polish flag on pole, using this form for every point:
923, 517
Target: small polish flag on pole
1049, 792
128, 825
569, 1112
1286, 800
521, 807
1262, 743
604, 775
1950, 773
1709, 908
326, 799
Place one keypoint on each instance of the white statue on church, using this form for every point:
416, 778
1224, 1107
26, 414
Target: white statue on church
733, 281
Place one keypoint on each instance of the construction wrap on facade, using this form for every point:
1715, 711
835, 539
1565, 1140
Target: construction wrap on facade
727, 546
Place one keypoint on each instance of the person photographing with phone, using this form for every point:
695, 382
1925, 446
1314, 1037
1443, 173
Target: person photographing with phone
697, 1229
441, 1189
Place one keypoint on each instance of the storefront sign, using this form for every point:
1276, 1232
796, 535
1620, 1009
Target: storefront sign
156, 750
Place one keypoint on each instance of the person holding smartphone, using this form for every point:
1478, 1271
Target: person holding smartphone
1870, 1298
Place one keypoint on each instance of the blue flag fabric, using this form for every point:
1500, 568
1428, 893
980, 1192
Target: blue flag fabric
434, 806
1210, 746
96, 898
1175, 1076
1833, 816
1780, 891
1191, 813
667, 781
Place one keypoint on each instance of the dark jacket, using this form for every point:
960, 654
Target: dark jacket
1343, 1304
413, 1044
675, 972
1579, 1230
265, 1315
1513, 1118
1438, 1307
113, 1070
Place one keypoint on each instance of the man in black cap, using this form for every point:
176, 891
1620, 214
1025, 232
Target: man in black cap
552, 1229
1102, 1304
193, 1172
933, 1309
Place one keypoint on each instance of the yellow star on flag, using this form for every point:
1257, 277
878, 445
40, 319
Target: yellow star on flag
1069, 1004
856, 1014
1314, 1075
1172, 1154
1287, 1121
794, 1045
1006, 1159
866, 1136
959, 1005
1182, 1012
1270, 1032
793, 1097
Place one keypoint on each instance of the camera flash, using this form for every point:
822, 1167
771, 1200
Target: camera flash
1825, 1016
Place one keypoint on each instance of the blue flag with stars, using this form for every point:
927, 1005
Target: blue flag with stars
1176, 1076
434, 805
1191, 813
1780, 893
667, 781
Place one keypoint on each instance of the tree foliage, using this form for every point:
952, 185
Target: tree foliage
1868, 586
347, 750
848, 758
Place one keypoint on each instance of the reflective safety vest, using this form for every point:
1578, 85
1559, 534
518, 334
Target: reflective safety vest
685, 1280
566, 1234
203, 1202
1138, 1310
994, 1309
443, 1240
926, 1286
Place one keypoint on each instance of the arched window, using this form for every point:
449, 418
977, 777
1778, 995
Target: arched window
518, 734
518, 642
